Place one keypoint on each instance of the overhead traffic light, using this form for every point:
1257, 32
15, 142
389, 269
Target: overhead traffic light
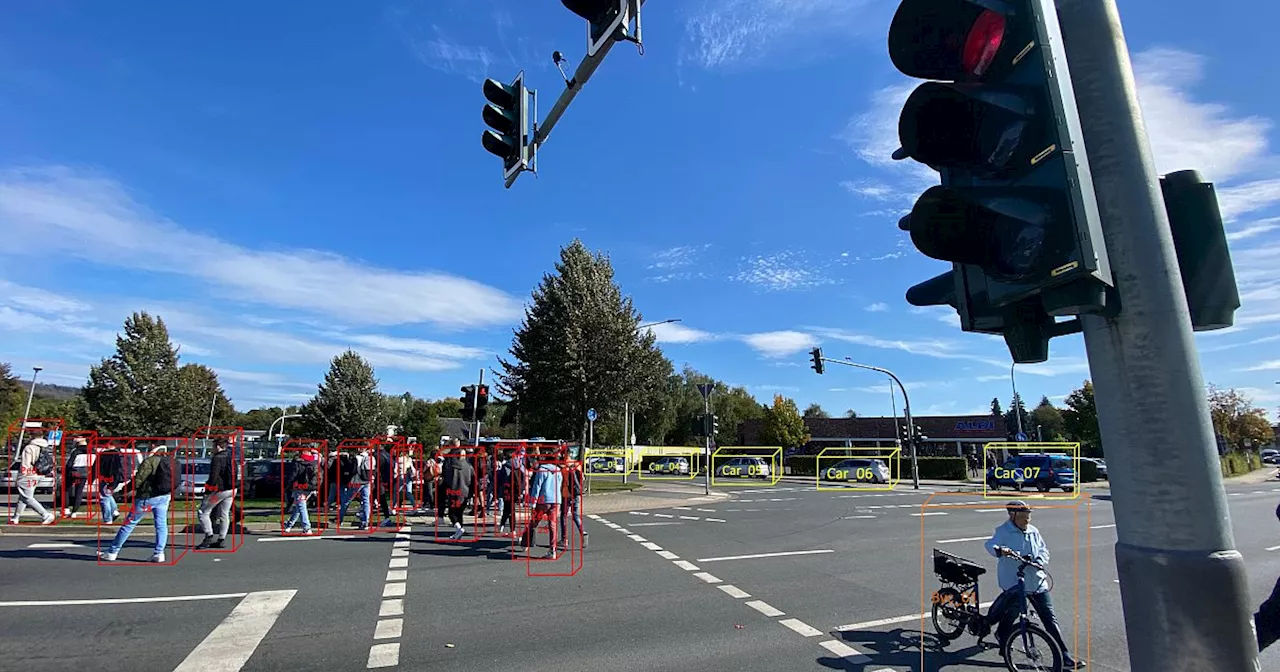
818, 365
1015, 211
507, 114
606, 19
482, 402
468, 400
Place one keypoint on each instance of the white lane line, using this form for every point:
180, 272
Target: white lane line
716, 520
801, 628
638, 513
682, 508
1101, 527
689, 518
686, 565
384, 655
764, 608
663, 515
766, 555
1274, 548
393, 590
595, 517
931, 513
857, 517
397, 563
397, 575
842, 650
668, 555
707, 577
233, 642
403, 543
121, 600
654, 524
300, 537
390, 628
636, 537
624, 530
988, 510
734, 591
706, 510
64, 544
651, 546
391, 608
961, 539
853, 627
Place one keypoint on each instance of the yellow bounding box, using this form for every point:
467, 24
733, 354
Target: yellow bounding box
1038, 466
854, 468
661, 463
613, 456
739, 465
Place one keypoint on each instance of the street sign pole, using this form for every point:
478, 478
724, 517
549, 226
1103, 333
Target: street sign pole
475, 418
706, 389
591, 441
1182, 582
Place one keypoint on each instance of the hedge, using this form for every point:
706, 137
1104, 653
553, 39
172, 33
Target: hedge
1237, 463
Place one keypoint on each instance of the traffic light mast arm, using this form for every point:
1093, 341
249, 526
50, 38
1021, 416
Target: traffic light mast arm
906, 409
585, 70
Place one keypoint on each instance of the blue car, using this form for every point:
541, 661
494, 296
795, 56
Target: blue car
1041, 471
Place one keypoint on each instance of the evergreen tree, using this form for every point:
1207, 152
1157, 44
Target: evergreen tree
137, 391
579, 347
1049, 419
347, 404
783, 425
814, 410
12, 400
995, 407
199, 389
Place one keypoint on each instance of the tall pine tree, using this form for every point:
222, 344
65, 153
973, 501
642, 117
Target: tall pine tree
347, 404
578, 348
137, 391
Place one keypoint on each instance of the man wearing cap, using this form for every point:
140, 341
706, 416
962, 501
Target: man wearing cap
28, 479
1021, 537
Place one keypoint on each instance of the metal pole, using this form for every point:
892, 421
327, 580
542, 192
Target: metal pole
585, 70
1017, 401
1182, 582
591, 446
706, 476
893, 403
626, 439
906, 411
31, 394
475, 417
212, 404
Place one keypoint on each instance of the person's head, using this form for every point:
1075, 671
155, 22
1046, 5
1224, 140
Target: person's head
39, 442
455, 443
1019, 513
219, 445
81, 443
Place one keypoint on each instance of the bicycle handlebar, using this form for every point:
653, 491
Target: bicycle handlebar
1026, 560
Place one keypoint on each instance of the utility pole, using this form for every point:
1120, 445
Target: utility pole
1017, 401
706, 389
1182, 581
626, 436
475, 403
31, 394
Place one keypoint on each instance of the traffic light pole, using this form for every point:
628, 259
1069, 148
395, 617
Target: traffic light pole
475, 410
906, 411
706, 476
1182, 582
585, 70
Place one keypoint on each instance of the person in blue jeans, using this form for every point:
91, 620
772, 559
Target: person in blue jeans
153, 486
359, 489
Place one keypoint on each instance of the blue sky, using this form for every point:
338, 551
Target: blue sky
280, 183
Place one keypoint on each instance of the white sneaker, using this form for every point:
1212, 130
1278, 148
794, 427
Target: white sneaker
457, 534
48, 519
66, 512
502, 530
158, 557
106, 557
13, 521
288, 529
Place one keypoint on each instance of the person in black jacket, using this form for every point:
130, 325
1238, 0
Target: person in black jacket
456, 479
220, 491
383, 483
300, 487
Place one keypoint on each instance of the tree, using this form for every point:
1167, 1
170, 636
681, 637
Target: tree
1080, 420
1018, 411
137, 391
814, 410
579, 347
995, 407
199, 390
259, 419
1049, 419
1241, 424
783, 425
11, 397
422, 422
347, 404
851, 413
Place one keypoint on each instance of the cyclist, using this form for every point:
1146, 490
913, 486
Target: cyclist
1023, 538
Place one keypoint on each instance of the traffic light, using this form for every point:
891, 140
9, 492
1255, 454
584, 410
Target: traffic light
818, 366
482, 402
1015, 211
606, 19
507, 115
699, 426
468, 401
715, 426
920, 436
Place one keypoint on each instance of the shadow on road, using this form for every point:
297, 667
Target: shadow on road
40, 554
901, 647
493, 549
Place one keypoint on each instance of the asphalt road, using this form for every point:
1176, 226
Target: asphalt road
658, 589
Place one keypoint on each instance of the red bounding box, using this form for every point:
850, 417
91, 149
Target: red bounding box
561, 559
407, 478
303, 485
353, 453
17, 436
386, 491
123, 457
199, 469
452, 496
77, 491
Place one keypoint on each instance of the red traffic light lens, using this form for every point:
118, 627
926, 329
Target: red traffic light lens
982, 43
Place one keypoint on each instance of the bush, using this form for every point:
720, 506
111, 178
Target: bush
1239, 463
940, 468
1088, 471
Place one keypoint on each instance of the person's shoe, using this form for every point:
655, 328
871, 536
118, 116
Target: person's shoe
551, 555
219, 543
1069, 663
106, 556
48, 519
13, 520
157, 558
585, 539
502, 529
205, 543
66, 512
288, 529
306, 530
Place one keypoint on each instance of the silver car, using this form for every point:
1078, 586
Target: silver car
744, 467
857, 470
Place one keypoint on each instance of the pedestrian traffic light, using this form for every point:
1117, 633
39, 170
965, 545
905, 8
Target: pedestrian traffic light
818, 365
507, 115
1015, 211
468, 401
482, 401
920, 436
605, 19
715, 426
699, 426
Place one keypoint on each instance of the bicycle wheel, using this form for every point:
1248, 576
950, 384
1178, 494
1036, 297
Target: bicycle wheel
948, 613
1032, 645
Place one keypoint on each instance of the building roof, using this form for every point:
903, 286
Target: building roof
936, 427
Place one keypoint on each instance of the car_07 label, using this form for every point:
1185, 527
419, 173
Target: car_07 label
752, 470
1018, 474
860, 474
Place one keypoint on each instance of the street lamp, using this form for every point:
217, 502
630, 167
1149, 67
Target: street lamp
280, 420
27, 413
1017, 402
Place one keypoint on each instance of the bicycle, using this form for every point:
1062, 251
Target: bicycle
956, 609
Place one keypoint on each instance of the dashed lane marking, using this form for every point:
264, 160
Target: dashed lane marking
734, 591
668, 555
707, 577
686, 565
654, 524
961, 539
842, 650
1101, 527
765, 608
854, 627
800, 627
651, 546
755, 556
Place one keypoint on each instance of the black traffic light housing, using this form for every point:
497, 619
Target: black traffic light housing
818, 365
482, 402
606, 19
508, 115
468, 401
1200, 240
1015, 211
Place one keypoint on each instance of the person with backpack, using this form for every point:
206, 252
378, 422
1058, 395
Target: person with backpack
153, 486
362, 471
456, 481
35, 460
571, 505
383, 485
108, 470
300, 486
220, 494
75, 475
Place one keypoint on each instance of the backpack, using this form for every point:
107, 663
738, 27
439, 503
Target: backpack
44, 463
161, 480
362, 468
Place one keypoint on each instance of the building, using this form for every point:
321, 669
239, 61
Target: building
947, 434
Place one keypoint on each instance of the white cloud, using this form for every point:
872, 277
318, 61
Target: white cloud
939, 348
944, 314
876, 191
873, 137
780, 343
63, 212
673, 332
677, 257
878, 307
726, 33
261, 379
782, 271
1254, 229
38, 300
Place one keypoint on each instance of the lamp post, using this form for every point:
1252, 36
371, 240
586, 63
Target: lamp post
280, 420
31, 394
1017, 401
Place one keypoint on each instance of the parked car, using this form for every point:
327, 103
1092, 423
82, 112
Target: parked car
613, 465
9, 480
192, 475
744, 467
670, 465
857, 470
1041, 471
1270, 456
1102, 466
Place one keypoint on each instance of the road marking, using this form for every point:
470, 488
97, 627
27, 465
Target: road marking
686, 565
842, 650
716, 520
398, 575
399, 552
706, 510
802, 628
707, 577
593, 516
1274, 548
232, 643
122, 600
653, 524
987, 510
403, 543
765, 555
734, 591
764, 608
638, 513
663, 515
390, 628
1100, 527
397, 563
890, 621
64, 544
651, 546
961, 539
668, 555
682, 508
931, 513
393, 590
856, 517
624, 530
384, 655
391, 608
636, 537
689, 518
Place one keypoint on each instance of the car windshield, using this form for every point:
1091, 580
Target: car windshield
1062, 463
196, 468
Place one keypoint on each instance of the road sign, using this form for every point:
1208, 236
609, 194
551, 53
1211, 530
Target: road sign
1021, 436
591, 415
705, 389
55, 437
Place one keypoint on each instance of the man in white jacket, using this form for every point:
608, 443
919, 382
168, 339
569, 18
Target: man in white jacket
28, 479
